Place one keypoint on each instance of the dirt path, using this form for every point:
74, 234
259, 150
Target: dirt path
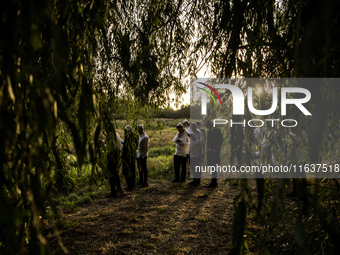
162, 219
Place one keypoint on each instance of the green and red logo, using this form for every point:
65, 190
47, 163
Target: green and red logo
213, 90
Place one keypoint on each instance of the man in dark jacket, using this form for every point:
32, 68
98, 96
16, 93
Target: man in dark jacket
214, 143
129, 155
113, 163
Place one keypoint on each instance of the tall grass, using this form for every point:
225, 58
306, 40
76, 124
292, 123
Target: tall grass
161, 151
160, 168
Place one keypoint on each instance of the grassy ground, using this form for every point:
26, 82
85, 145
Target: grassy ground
165, 218
162, 219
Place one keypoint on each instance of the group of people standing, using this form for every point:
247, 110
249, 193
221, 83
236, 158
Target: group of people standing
128, 151
191, 141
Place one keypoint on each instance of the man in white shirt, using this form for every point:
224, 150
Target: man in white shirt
187, 126
182, 141
143, 147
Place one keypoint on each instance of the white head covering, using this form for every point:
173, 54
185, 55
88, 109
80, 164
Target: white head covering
128, 128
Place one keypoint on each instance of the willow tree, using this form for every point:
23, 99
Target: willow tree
280, 39
68, 63
146, 48
62, 62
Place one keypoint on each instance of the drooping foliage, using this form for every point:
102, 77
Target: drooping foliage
68, 67
63, 66
280, 39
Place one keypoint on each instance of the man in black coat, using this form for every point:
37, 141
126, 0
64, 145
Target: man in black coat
214, 143
129, 155
113, 163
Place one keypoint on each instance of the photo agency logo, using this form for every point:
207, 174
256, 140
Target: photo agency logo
277, 122
240, 100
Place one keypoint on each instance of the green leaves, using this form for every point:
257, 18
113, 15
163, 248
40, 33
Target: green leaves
147, 61
56, 56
